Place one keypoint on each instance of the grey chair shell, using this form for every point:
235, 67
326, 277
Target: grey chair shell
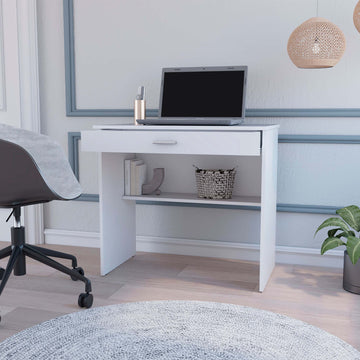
34, 169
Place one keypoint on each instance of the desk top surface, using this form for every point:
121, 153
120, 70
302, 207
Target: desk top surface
131, 127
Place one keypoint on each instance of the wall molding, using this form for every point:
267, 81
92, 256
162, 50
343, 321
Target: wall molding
26, 12
75, 137
73, 152
68, 8
28, 65
73, 149
72, 110
319, 139
204, 248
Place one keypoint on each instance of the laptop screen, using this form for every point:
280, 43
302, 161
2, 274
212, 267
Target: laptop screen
203, 92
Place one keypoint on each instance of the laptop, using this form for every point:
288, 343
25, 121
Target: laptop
201, 96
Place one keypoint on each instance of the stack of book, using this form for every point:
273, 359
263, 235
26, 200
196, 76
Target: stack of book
135, 176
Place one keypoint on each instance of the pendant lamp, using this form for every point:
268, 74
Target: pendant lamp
317, 43
357, 16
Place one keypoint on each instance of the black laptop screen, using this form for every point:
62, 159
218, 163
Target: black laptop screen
203, 94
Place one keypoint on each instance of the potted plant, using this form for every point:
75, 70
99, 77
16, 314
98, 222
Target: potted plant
344, 233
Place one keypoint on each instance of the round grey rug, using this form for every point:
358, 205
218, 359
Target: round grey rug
175, 330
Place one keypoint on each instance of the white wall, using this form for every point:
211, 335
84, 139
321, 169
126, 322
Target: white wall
122, 44
9, 65
9, 82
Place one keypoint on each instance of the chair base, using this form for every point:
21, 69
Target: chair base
18, 251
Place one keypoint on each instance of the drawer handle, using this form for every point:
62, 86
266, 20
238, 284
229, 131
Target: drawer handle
165, 142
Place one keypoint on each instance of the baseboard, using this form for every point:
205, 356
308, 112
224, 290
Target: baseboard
72, 238
206, 248
240, 251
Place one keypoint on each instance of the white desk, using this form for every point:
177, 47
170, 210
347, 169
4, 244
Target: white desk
117, 212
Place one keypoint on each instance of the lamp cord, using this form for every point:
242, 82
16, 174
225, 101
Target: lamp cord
317, 8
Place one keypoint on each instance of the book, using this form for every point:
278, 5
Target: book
127, 179
135, 176
140, 178
133, 165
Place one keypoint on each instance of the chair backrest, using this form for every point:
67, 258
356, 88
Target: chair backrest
33, 169
20, 180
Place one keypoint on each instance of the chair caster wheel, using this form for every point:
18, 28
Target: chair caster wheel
1, 273
80, 270
85, 300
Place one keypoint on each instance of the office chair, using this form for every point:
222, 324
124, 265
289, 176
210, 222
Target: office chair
34, 170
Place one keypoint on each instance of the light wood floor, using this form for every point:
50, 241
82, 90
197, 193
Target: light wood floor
310, 294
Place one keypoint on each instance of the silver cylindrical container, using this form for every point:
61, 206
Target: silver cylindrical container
139, 110
351, 276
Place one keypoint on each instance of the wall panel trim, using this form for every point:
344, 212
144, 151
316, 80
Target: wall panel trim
319, 139
72, 110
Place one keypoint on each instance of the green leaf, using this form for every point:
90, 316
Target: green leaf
345, 234
331, 243
334, 221
332, 232
351, 214
353, 248
342, 234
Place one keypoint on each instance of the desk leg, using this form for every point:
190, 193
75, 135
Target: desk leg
117, 216
268, 206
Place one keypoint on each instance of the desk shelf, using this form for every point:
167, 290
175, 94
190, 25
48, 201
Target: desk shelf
254, 201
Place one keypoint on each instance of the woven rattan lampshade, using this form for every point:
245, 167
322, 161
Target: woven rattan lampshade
316, 43
357, 16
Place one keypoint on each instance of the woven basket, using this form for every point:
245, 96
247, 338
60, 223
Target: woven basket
215, 184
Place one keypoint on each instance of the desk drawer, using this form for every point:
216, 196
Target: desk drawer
174, 142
